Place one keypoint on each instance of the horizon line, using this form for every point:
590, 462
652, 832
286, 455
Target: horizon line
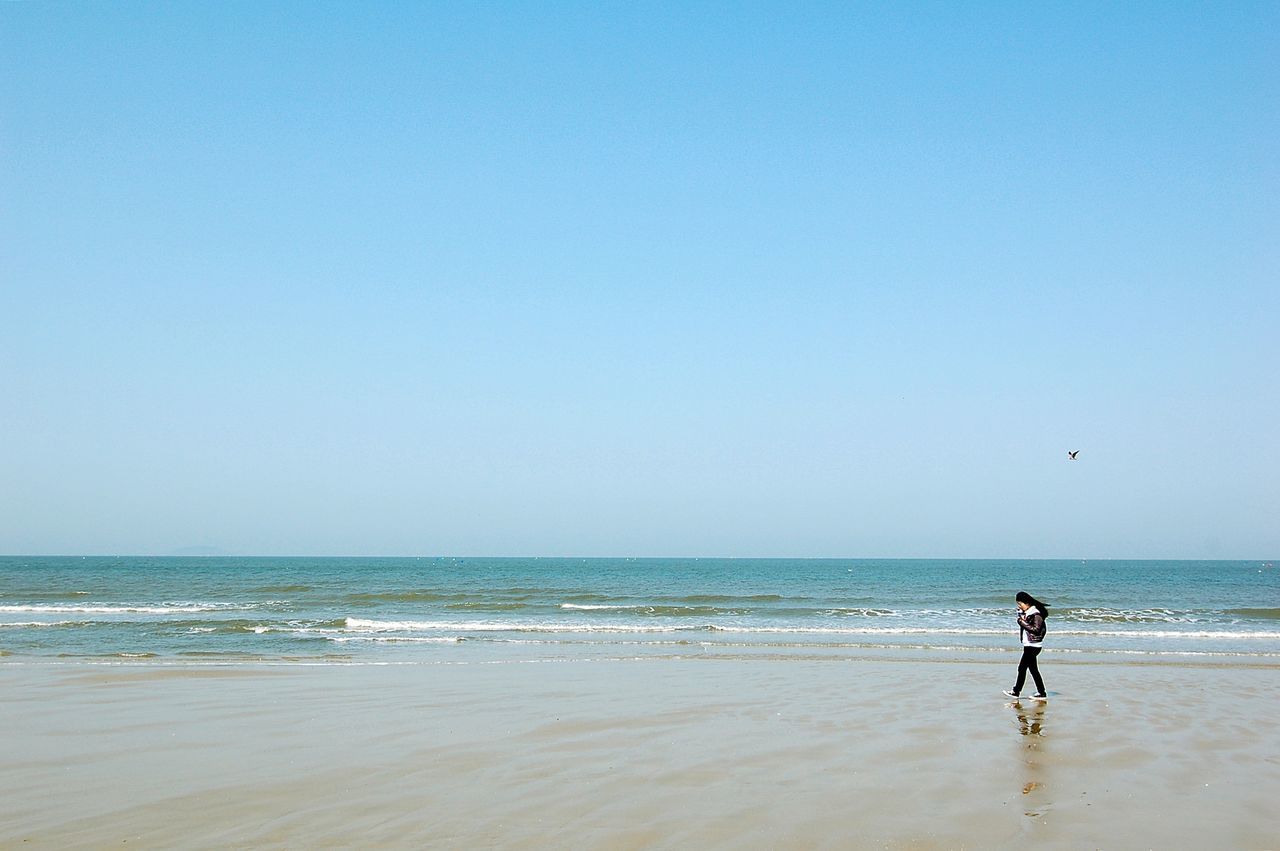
211, 555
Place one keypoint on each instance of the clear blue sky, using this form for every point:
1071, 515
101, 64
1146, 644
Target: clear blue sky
640, 279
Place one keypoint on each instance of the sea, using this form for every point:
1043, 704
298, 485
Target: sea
332, 611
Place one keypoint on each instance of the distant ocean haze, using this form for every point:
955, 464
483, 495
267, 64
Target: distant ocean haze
431, 610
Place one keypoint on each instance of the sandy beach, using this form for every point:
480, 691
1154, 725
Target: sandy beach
715, 752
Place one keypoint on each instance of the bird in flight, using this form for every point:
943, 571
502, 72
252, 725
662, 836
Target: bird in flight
1071, 456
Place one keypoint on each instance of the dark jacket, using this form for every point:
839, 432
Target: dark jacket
1032, 626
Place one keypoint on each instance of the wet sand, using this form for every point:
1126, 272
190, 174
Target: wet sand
715, 752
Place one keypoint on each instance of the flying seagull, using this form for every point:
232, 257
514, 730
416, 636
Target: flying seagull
1071, 456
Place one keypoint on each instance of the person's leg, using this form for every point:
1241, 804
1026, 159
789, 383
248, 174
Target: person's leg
1031, 654
1027, 659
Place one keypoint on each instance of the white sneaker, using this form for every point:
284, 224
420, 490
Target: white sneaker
1011, 693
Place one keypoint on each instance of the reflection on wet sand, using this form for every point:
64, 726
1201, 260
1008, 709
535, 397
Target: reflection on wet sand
1030, 720
1031, 726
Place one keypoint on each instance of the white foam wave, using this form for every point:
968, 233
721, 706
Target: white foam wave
183, 609
1094, 615
412, 626
1172, 633
360, 624
400, 639
364, 625
863, 630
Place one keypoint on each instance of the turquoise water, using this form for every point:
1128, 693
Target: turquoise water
335, 610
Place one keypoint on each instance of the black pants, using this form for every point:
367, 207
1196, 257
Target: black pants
1028, 663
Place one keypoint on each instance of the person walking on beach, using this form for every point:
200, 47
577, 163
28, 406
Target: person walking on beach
1031, 627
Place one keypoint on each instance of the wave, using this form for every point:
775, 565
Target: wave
373, 626
422, 596
246, 626
237, 626
655, 611
400, 639
359, 624
642, 618
734, 598
596, 608
1211, 634
776, 607
433, 595
1154, 615
858, 612
670, 610
513, 597
1259, 614
34, 594
124, 609
729, 643
548, 595
365, 625
300, 626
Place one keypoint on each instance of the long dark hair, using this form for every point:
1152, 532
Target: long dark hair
1024, 597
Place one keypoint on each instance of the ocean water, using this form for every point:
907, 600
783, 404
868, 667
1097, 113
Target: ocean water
457, 610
